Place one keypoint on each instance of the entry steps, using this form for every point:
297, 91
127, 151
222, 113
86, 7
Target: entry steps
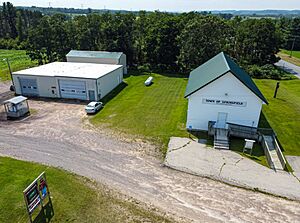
221, 140
274, 153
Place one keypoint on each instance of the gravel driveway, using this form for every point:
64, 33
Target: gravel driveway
57, 135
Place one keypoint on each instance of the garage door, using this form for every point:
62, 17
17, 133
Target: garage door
72, 89
29, 86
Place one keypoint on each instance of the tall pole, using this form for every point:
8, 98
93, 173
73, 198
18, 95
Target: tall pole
8, 64
293, 47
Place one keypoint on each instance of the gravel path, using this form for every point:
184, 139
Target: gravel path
57, 136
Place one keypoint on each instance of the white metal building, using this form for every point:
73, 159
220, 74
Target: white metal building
220, 91
99, 57
83, 81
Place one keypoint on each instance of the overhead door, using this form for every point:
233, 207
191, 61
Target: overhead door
29, 86
72, 89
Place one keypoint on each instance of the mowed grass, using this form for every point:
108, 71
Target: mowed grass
74, 198
283, 113
285, 55
154, 113
294, 53
18, 61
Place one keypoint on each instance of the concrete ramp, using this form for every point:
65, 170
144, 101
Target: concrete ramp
273, 152
224, 165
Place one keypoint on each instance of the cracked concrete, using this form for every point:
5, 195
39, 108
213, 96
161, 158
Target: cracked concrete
230, 167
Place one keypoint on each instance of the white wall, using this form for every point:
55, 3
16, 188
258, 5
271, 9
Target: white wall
199, 113
92, 60
108, 82
49, 86
44, 84
90, 84
121, 61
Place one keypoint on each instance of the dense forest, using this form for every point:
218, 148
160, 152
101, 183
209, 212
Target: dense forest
155, 41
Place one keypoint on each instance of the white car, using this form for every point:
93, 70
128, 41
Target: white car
93, 107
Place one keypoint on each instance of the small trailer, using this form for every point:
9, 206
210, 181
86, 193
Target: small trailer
149, 81
16, 107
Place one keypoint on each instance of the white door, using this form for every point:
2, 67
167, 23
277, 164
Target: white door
29, 86
72, 89
221, 122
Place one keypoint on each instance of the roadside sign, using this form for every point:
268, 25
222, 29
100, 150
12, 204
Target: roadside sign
36, 193
32, 197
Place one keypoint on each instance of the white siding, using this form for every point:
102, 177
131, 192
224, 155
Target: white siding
108, 82
93, 60
123, 61
45, 85
228, 88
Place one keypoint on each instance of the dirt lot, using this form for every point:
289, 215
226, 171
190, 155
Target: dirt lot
58, 134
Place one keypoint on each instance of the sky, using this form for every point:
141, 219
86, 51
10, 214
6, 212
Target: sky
165, 5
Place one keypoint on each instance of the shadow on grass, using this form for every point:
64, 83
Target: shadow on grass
114, 92
202, 135
46, 214
237, 144
263, 122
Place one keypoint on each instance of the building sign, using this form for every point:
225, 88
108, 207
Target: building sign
224, 102
35, 194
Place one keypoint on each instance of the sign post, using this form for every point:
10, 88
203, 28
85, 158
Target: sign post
35, 194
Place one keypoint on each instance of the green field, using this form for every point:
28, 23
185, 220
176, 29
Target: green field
154, 113
18, 61
283, 113
294, 54
74, 198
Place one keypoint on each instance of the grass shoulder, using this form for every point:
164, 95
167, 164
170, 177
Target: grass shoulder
285, 55
74, 198
283, 112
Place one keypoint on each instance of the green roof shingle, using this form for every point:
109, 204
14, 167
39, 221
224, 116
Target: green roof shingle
216, 67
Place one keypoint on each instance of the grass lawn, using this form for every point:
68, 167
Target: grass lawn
283, 113
154, 113
72, 199
18, 61
285, 55
294, 54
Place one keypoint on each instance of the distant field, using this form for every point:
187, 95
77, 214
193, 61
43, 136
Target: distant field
74, 198
18, 61
283, 113
285, 55
156, 112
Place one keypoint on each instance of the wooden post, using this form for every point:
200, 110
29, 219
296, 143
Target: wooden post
276, 89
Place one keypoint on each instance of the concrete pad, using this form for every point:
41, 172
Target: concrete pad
230, 167
294, 162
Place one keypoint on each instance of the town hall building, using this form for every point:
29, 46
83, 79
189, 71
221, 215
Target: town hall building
220, 91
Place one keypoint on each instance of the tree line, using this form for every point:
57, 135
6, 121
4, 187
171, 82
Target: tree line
151, 40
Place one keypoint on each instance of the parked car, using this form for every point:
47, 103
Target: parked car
93, 107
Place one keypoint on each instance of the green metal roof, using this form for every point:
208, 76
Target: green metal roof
216, 67
94, 54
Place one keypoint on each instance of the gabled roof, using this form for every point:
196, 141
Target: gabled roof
215, 68
94, 54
